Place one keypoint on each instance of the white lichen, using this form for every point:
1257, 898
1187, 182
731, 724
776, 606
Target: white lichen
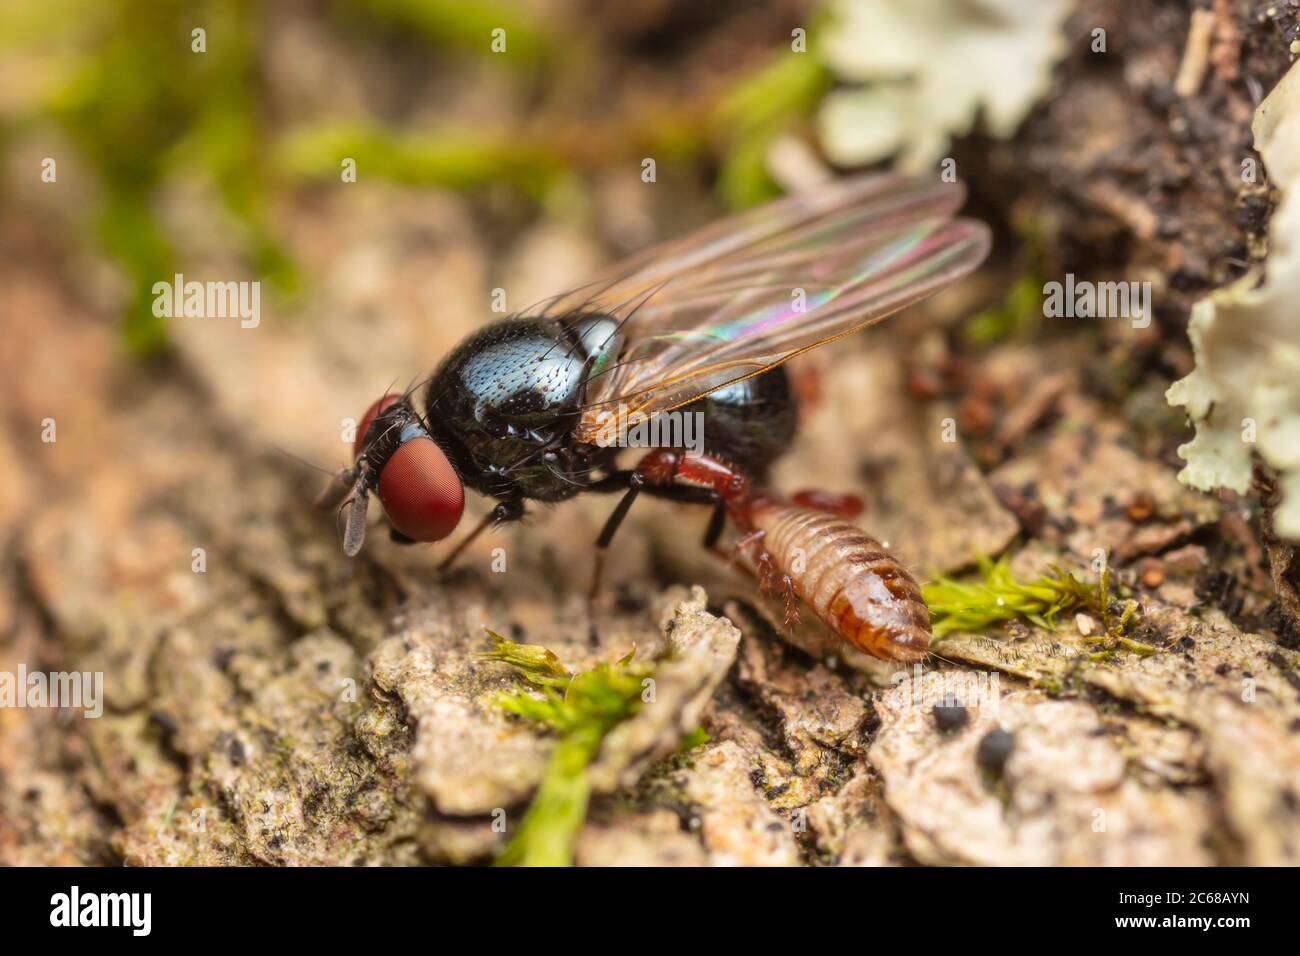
924, 70
1244, 394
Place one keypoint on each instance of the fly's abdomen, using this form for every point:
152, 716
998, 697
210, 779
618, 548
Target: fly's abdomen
750, 423
854, 586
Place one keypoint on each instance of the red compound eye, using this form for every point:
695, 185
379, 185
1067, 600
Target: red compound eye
422, 494
372, 413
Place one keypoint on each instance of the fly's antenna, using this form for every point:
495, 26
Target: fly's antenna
303, 461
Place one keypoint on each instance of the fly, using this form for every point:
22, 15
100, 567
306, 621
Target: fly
529, 408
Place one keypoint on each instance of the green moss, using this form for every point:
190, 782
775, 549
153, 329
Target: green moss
696, 738
758, 110
549, 828
1018, 316
582, 708
998, 598
452, 159
140, 106
468, 26
535, 663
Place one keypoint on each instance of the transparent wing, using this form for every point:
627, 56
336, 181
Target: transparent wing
749, 292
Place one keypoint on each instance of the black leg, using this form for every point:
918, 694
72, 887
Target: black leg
632, 483
619, 480
504, 512
635, 482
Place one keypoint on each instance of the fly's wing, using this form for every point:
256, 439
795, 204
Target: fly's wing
748, 293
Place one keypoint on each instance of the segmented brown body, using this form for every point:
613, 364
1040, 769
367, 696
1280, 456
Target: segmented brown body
857, 588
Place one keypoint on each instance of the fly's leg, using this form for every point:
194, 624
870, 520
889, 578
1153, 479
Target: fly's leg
506, 511
635, 482
663, 473
731, 493
658, 473
704, 479
717, 521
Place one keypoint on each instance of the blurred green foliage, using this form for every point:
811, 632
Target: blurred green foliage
144, 109
1017, 317
142, 105
452, 159
466, 26
758, 110
753, 113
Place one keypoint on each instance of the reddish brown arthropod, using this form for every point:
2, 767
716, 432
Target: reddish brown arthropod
805, 547
845, 577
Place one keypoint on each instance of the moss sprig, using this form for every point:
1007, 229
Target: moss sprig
582, 708
998, 598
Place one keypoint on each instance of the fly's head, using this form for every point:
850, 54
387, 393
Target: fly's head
421, 492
